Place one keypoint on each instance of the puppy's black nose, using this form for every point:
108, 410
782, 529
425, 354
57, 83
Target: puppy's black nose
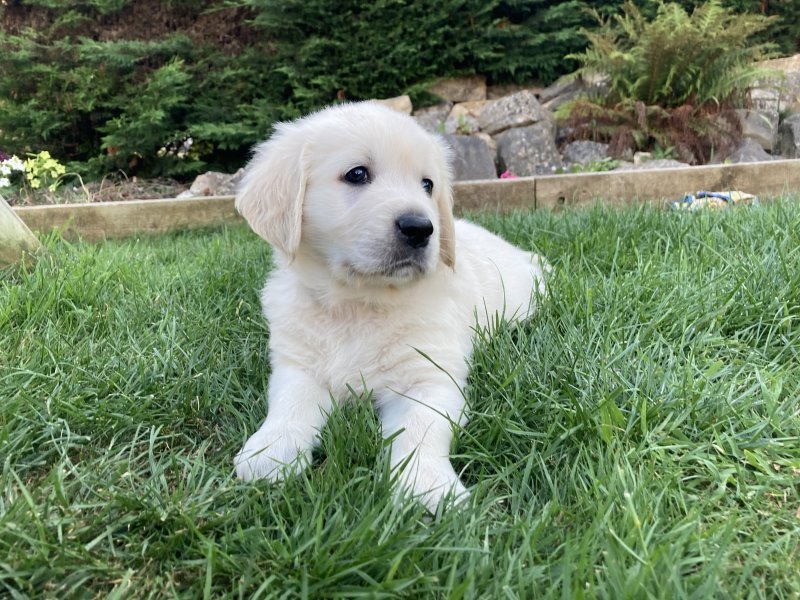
415, 230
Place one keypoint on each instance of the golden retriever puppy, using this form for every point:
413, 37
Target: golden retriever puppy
375, 285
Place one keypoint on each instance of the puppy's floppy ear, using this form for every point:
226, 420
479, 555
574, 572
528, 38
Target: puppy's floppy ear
447, 228
443, 194
270, 196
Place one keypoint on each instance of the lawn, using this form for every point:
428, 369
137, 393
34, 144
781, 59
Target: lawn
639, 437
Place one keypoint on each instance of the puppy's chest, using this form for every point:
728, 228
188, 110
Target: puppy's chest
375, 350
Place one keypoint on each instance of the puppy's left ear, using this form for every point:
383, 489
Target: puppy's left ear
443, 194
271, 194
447, 226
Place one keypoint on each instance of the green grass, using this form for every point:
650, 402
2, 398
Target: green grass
639, 437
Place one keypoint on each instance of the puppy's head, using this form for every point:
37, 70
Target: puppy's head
358, 187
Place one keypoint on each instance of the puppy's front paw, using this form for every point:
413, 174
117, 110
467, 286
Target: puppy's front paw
270, 455
432, 481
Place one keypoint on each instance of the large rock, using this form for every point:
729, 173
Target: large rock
789, 137
760, 126
493, 92
460, 89
401, 104
432, 118
767, 101
464, 118
788, 87
565, 85
582, 152
518, 110
748, 152
473, 157
529, 150
562, 91
213, 183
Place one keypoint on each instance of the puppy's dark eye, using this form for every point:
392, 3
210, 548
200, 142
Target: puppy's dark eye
357, 176
427, 185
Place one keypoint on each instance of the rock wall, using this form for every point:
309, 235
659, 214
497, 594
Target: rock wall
510, 130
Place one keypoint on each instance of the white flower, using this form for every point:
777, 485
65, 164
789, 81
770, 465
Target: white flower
5, 170
4, 182
15, 164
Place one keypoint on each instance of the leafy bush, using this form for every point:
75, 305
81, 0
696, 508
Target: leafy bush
672, 79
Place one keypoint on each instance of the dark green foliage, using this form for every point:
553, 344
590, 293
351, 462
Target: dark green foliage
114, 84
124, 85
110, 85
358, 50
784, 32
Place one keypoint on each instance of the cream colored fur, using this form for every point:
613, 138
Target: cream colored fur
349, 304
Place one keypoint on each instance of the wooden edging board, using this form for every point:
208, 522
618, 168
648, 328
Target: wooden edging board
136, 217
16, 239
107, 220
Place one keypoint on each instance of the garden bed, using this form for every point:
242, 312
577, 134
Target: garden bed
132, 217
639, 436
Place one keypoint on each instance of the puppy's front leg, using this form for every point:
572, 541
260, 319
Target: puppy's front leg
423, 421
297, 410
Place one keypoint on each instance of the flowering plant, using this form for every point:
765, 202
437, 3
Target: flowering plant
43, 168
8, 166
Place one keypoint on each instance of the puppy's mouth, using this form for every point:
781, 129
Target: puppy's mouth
398, 270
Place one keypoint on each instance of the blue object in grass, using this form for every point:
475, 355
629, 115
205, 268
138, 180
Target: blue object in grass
701, 200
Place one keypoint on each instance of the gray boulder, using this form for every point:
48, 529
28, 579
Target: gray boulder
581, 152
563, 91
565, 85
529, 150
518, 110
760, 126
749, 151
401, 104
464, 118
493, 92
432, 118
213, 183
473, 158
787, 87
460, 89
789, 137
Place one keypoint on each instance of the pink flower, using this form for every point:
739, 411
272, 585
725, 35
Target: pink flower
507, 174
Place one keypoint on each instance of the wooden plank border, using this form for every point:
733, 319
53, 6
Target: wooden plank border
137, 217
661, 185
107, 220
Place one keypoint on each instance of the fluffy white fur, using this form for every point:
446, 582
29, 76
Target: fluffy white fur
351, 303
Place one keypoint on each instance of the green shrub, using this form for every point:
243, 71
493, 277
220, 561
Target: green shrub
672, 79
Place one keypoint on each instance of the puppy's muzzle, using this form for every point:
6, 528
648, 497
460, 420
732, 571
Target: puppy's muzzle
414, 230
